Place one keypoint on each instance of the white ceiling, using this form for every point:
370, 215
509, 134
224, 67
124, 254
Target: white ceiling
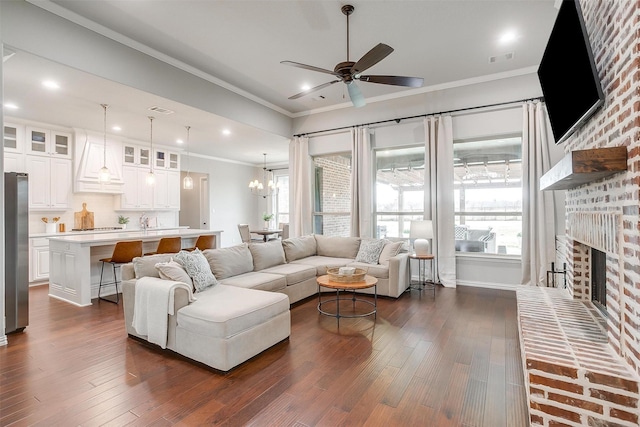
242, 43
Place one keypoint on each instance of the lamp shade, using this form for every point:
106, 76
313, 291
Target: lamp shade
421, 231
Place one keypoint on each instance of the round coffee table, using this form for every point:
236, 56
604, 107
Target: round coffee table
368, 282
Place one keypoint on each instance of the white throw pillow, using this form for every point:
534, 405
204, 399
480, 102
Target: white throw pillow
197, 268
390, 250
370, 251
173, 271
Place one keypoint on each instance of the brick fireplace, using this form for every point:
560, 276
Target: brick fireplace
583, 367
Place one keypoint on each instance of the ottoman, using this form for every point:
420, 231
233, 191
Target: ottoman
228, 325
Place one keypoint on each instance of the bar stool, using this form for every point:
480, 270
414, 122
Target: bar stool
204, 242
123, 253
168, 245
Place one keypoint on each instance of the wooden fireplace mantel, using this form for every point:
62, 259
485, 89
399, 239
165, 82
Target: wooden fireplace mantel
583, 166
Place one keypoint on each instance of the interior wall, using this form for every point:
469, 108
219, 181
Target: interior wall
230, 201
3, 337
190, 201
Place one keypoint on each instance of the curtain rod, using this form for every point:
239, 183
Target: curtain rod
398, 120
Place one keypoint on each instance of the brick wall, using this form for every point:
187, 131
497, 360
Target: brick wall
580, 368
336, 194
614, 30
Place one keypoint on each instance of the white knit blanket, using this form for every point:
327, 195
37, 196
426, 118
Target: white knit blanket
153, 302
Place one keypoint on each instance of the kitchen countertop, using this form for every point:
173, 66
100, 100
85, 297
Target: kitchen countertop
67, 233
93, 239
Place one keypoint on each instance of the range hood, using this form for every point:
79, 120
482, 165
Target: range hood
582, 166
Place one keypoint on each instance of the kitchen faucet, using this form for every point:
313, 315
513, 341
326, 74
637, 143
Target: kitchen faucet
144, 221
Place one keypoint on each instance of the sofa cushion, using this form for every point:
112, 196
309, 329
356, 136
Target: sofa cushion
299, 247
266, 254
224, 311
370, 250
257, 280
390, 250
197, 267
293, 273
379, 271
322, 262
231, 261
173, 270
337, 247
145, 266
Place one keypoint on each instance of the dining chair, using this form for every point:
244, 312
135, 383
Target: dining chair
245, 234
168, 245
204, 242
123, 253
284, 226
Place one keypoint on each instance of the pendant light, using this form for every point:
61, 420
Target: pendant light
187, 182
151, 178
104, 175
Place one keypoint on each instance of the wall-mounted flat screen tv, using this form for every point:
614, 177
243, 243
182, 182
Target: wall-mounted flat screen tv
567, 73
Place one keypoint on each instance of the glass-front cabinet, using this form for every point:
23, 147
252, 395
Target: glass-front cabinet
12, 138
136, 156
48, 142
166, 160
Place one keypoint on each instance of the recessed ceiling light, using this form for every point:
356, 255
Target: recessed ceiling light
117, 128
179, 141
226, 132
50, 84
11, 106
305, 87
508, 36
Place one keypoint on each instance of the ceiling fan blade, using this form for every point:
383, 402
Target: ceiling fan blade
313, 89
393, 80
356, 96
371, 58
310, 67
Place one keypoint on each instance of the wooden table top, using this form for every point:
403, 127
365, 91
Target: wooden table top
428, 256
368, 282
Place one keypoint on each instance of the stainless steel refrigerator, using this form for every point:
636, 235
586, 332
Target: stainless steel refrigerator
16, 251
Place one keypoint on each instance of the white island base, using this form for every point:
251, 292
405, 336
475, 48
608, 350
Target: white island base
75, 265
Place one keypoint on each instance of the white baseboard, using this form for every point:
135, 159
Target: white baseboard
490, 285
3, 340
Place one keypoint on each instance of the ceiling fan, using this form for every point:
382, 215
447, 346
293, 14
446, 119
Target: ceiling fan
350, 71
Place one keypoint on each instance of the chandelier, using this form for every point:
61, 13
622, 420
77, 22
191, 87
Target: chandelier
257, 188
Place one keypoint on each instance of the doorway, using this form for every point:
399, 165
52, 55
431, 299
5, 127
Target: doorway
194, 204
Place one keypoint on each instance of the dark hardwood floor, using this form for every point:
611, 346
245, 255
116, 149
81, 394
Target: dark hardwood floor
452, 361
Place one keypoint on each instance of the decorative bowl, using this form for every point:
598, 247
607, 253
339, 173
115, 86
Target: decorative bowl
335, 276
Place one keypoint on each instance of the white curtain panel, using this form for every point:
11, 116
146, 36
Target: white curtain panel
361, 182
300, 188
538, 222
439, 203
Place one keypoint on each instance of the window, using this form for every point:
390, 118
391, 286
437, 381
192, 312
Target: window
399, 196
282, 199
488, 195
332, 198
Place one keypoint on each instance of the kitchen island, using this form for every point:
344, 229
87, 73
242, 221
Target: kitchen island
74, 259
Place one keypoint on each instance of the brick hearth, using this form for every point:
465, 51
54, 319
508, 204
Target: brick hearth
572, 374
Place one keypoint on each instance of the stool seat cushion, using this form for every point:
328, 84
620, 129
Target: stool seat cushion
224, 311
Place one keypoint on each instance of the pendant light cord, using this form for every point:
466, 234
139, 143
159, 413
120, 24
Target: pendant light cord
104, 152
188, 158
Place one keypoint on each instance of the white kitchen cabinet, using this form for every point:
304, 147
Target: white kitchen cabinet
39, 259
166, 160
46, 142
13, 138
134, 155
166, 193
13, 148
14, 162
136, 193
49, 183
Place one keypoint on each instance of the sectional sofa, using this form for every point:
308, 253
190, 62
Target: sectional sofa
247, 311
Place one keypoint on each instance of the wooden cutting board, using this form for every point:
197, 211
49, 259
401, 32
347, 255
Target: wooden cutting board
83, 219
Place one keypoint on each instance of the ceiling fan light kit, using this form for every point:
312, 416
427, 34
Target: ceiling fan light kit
348, 71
